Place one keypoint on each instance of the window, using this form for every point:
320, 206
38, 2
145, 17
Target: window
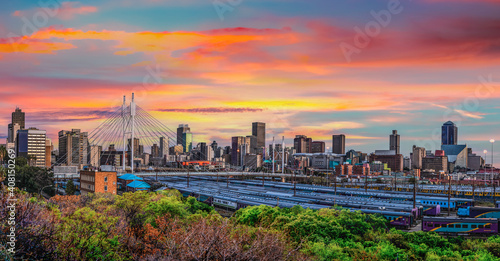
458, 226
105, 179
487, 226
451, 225
481, 226
473, 226
105, 188
465, 226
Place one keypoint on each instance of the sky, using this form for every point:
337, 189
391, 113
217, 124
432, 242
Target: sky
362, 67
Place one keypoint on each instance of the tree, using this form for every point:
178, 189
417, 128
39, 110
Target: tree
3, 154
70, 188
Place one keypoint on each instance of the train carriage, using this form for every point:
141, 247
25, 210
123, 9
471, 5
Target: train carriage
460, 226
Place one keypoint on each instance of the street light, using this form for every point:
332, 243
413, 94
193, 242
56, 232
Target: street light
485, 152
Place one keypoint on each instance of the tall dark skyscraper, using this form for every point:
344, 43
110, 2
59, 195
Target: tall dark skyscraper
394, 141
259, 131
182, 128
338, 144
449, 134
18, 117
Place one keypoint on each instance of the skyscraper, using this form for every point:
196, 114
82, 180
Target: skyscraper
73, 147
259, 131
449, 134
187, 141
240, 146
31, 145
302, 144
318, 147
163, 147
180, 130
137, 147
18, 117
394, 141
338, 144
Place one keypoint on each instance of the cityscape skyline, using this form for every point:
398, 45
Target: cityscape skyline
270, 62
393, 142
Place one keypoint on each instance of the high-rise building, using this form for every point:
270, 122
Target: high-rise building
30, 144
180, 130
449, 133
187, 141
338, 144
318, 147
240, 146
418, 153
155, 151
163, 147
18, 117
73, 147
259, 131
394, 141
137, 147
302, 144
48, 153
95, 155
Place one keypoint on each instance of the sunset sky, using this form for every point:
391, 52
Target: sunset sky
220, 65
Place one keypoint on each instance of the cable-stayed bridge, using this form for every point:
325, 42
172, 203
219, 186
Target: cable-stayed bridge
121, 141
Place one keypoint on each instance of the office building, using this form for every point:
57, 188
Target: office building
436, 163
155, 151
417, 154
449, 134
163, 147
394, 161
338, 144
302, 144
18, 117
394, 141
73, 147
259, 131
48, 153
457, 154
31, 144
95, 155
180, 130
318, 147
137, 147
240, 146
187, 141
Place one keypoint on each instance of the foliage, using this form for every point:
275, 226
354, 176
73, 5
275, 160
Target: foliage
166, 226
70, 188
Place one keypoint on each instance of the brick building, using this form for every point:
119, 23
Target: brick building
394, 162
97, 182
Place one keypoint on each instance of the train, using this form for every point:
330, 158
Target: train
460, 226
479, 212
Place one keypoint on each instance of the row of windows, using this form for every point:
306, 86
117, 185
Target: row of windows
457, 225
87, 178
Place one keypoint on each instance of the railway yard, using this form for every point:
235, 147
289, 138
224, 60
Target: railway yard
427, 212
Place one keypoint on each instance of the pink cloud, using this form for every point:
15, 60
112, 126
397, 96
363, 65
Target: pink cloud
68, 10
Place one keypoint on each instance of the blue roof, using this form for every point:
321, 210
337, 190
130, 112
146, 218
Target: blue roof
129, 176
139, 184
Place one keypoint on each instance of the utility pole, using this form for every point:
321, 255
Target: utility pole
473, 187
294, 183
188, 177
414, 191
366, 182
449, 194
282, 155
